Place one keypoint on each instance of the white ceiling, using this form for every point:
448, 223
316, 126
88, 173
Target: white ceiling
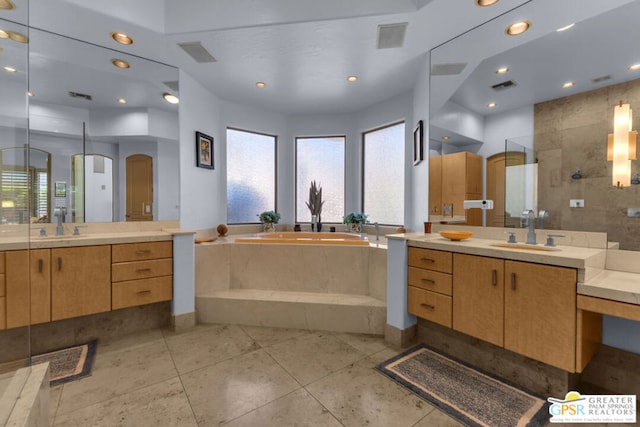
302, 49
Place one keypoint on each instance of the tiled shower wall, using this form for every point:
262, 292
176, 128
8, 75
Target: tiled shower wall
571, 133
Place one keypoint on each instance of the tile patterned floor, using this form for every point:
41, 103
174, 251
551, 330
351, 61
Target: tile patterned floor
240, 376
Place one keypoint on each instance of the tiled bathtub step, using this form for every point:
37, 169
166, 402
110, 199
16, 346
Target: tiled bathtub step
300, 310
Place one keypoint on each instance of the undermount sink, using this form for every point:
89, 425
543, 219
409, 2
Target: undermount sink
525, 247
54, 237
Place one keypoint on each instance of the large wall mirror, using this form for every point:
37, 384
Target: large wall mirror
91, 110
539, 107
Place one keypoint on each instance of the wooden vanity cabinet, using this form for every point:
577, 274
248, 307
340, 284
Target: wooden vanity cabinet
454, 178
540, 312
80, 281
142, 273
526, 308
3, 294
27, 283
429, 285
478, 297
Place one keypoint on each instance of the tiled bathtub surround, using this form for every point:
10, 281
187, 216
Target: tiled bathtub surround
303, 286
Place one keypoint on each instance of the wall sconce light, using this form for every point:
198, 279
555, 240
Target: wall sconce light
621, 147
7, 204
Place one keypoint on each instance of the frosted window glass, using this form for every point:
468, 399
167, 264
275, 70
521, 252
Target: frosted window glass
320, 160
251, 175
384, 175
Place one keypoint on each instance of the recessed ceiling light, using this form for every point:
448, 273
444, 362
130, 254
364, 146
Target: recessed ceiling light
568, 84
517, 28
492, 105
122, 101
352, 78
446, 137
261, 85
30, 94
7, 5
502, 70
171, 99
565, 28
483, 3
122, 38
9, 69
634, 67
120, 63
18, 37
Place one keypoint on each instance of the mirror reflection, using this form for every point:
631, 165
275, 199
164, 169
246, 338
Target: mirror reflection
542, 123
88, 121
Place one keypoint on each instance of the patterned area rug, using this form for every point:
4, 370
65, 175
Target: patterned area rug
68, 364
474, 398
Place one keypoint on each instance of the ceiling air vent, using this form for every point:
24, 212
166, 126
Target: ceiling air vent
447, 69
80, 95
391, 35
197, 52
504, 85
601, 79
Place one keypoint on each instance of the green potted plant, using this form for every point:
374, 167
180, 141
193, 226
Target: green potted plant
354, 221
269, 219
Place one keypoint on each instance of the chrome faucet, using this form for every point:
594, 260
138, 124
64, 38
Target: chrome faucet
377, 231
530, 221
62, 211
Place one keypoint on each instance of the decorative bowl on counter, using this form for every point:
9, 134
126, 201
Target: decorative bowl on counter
456, 235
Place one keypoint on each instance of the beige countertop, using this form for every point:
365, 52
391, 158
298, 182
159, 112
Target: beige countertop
614, 285
89, 239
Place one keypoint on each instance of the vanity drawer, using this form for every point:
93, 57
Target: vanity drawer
431, 259
141, 251
430, 280
138, 292
429, 305
141, 269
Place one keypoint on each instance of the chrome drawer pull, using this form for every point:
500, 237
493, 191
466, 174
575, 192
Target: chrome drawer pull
143, 251
494, 277
429, 306
427, 281
513, 281
143, 270
427, 260
143, 292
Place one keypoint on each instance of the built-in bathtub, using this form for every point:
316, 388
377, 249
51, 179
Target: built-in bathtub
306, 238
309, 283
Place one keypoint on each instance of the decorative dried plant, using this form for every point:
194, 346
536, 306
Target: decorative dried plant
315, 200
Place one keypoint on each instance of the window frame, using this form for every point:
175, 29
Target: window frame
362, 164
295, 173
275, 169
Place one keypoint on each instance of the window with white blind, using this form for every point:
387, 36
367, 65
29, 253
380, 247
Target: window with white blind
383, 174
251, 175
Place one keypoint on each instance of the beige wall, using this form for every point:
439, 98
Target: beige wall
571, 133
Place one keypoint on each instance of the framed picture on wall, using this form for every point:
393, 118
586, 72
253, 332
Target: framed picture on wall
418, 144
204, 151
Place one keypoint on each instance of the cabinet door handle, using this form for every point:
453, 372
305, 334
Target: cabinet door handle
59, 263
427, 260
143, 292
143, 251
427, 281
429, 306
143, 270
494, 277
513, 281
40, 263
